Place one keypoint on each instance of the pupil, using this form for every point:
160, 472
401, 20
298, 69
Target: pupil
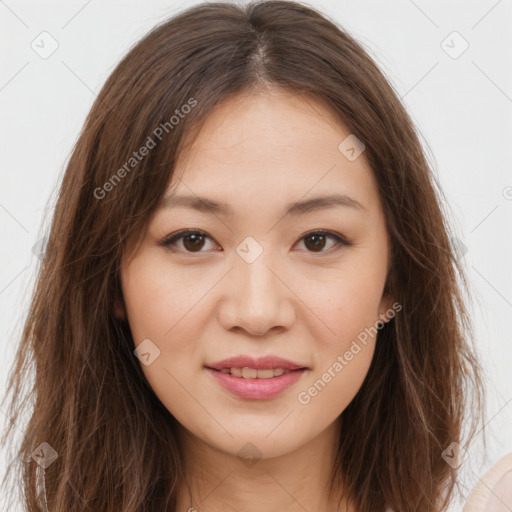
318, 243
196, 238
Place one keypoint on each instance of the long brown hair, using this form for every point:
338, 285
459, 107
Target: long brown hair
115, 443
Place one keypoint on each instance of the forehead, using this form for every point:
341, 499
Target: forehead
271, 146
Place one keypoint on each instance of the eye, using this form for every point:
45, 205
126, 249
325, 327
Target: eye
194, 240
316, 240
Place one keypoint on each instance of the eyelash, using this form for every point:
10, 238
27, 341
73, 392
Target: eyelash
170, 241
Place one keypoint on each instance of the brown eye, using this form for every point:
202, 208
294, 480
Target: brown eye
192, 241
316, 241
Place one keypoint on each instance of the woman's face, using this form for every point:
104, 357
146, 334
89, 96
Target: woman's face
259, 279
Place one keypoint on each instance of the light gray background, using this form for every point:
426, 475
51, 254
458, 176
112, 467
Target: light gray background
462, 106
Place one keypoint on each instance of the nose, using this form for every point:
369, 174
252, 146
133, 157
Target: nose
258, 299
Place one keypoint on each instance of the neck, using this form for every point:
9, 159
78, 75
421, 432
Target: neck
218, 481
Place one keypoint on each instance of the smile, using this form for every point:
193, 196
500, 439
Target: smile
255, 373
256, 384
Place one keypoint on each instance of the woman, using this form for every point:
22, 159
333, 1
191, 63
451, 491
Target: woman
249, 299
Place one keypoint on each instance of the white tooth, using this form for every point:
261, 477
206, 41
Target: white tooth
266, 373
249, 373
254, 373
225, 370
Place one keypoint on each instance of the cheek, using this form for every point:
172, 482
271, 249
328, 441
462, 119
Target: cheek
170, 320
160, 301
346, 303
344, 351
328, 393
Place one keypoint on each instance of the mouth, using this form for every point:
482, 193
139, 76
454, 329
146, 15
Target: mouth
256, 382
254, 373
252, 378
246, 366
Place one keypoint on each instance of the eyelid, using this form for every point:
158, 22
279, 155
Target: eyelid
170, 240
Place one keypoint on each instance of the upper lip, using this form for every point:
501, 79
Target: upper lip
258, 363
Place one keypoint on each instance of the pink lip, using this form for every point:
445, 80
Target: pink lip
256, 389
251, 362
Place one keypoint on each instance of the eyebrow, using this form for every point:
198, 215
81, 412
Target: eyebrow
203, 204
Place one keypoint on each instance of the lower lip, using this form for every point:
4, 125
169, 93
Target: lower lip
256, 389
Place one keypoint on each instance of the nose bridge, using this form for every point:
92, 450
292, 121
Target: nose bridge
258, 284
259, 299
252, 267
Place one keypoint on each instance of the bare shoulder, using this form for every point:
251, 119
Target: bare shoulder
493, 492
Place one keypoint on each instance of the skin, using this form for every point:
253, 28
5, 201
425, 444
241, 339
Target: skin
258, 152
